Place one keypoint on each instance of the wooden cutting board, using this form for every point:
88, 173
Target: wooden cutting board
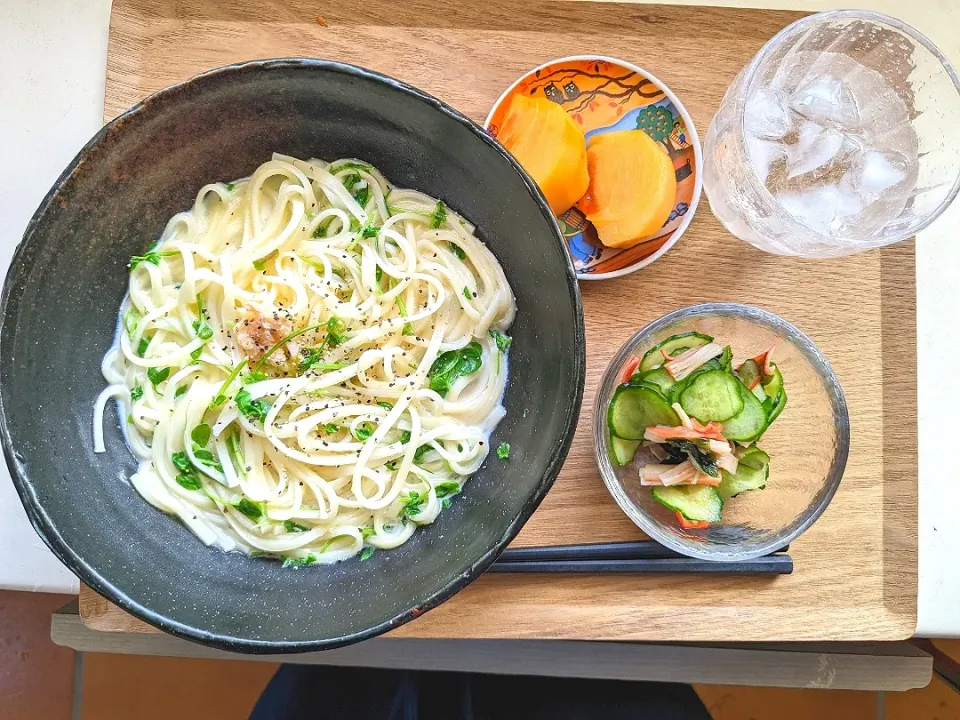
856, 569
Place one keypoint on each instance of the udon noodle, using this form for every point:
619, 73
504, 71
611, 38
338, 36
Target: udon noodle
309, 362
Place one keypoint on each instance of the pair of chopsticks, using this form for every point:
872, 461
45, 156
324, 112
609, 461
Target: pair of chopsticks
644, 556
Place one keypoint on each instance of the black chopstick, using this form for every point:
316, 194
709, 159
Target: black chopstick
633, 550
769, 565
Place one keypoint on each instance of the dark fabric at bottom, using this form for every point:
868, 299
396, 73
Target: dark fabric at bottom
307, 692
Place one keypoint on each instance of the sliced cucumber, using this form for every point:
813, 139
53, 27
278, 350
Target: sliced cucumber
659, 377
744, 479
752, 374
713, 395
672, 346
635, 408
623, 450
773, 384
694, 502
750, 422
779, 404
677, 390
749, 372
752, 457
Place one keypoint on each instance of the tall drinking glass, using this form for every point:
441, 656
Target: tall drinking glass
842, 134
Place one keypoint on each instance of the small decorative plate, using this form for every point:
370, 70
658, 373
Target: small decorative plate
604, 94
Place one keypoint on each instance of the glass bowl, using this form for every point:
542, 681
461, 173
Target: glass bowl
807, 444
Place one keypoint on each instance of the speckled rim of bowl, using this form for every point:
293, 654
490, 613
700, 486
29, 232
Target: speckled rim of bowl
806, 347
47, 530
688, 121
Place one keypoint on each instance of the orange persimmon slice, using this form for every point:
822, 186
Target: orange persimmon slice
551, 148
633, 187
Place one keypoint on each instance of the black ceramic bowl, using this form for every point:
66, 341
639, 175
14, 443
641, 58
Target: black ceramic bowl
59, 311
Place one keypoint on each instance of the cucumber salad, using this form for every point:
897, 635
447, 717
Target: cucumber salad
691, 419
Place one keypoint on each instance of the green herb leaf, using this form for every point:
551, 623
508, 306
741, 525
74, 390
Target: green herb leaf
405, 437
262, 262
439, 216
364, 430
336, 331
370, 231
142, 347
503, 342
291, 526
350, 165
157, 375
331, 428
201, 434
254, 377
420, 452
384, 404
131, 319
151, 257
189, 480
202, 329
195, 355
289, 562
137, 392
230, 187
181, 461
446, 502
453, 364
236, 452
407, 327
392, 465
361, 195
412, 504
445, 489
367, 552
252, 510
503, 451
321, 229
457, 250
221, 397
207, 458
253, 409
180, 391
366, 532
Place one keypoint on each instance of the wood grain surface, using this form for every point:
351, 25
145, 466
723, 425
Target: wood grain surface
856, 568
